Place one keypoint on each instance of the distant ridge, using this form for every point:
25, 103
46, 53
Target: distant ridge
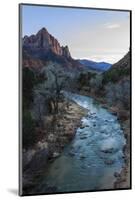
99, 66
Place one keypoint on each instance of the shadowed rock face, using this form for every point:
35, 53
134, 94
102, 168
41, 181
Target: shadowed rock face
124, 63
45, 42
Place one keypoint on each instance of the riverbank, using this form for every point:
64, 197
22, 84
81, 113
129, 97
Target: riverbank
122, 178
51, 146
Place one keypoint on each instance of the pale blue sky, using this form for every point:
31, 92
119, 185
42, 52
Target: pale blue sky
93, 34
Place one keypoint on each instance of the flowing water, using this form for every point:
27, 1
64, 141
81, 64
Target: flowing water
94, 155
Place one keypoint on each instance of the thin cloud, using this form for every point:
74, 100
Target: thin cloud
112, 26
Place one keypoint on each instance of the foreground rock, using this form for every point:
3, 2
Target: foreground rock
49, 148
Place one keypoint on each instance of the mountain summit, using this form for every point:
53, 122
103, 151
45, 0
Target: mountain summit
45, 42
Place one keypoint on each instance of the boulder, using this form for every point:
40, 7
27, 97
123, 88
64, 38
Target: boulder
27, 157
42, 145
107, 150
56, 154
38, 161
87, 126
51, 138
83, 137
116, 174
109, 162
82, 156
82, 126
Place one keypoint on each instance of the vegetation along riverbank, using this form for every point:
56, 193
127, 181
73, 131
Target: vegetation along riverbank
112, 90
51, 121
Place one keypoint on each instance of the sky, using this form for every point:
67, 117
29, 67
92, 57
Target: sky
99, 35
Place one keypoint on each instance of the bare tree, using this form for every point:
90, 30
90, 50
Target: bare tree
119, 93
96, 83
52, 88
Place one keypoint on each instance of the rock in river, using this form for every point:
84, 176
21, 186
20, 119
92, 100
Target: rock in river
83, 137
109, 162
82, 156
116, 174
111, 150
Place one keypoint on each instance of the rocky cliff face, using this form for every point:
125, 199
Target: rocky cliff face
66, 52
45, 42
124, 63
119, 70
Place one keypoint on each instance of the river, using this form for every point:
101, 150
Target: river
89, 162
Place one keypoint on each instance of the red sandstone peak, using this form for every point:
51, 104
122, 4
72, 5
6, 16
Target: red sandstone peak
45, 41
